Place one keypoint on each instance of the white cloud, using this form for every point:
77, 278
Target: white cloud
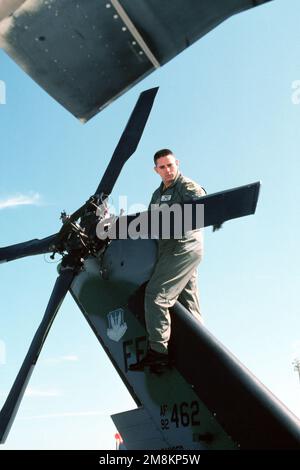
34, 392
59, 359
20, 200
67, 414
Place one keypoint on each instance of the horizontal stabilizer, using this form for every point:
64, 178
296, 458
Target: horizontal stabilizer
138, 430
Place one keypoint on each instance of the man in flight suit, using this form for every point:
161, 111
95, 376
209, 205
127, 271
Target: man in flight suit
175, 272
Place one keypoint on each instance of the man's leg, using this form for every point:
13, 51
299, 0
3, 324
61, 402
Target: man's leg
189, 297
171, 274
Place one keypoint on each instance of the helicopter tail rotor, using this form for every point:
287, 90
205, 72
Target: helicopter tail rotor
129, 140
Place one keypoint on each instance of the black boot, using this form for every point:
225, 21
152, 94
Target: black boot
152, 358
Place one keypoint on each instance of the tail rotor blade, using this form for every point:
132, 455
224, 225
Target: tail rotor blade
11, 405
30, 248
126, 147
128, 141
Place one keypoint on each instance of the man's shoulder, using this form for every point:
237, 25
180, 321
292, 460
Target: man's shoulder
190, 185
157, 191
185, 180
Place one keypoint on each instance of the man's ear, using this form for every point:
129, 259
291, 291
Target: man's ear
177, 162
155, 169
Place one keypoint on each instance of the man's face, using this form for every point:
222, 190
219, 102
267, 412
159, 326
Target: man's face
167, 168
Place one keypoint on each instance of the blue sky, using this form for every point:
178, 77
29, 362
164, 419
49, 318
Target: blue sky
226, 108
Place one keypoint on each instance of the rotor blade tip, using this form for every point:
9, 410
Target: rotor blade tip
150, 91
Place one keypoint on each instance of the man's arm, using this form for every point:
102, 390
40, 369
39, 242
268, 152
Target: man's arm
153, 199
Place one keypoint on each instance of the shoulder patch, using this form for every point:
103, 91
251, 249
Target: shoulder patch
193, 190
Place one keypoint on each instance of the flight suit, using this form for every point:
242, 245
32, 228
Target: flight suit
175, 274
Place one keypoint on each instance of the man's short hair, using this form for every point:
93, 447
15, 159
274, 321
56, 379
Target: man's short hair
162, 153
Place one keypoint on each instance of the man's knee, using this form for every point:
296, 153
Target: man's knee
157, 298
